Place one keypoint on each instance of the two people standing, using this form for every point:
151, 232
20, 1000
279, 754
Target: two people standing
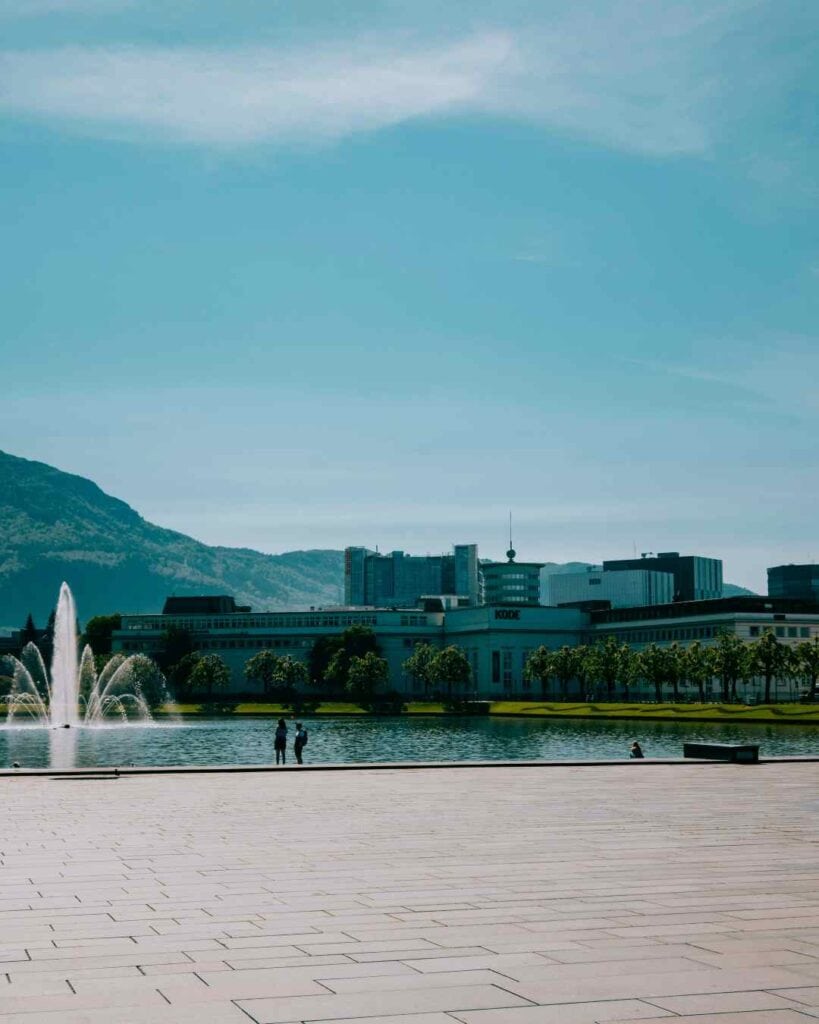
280, 742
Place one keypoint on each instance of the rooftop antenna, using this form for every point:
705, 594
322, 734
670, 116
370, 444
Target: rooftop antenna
510, 554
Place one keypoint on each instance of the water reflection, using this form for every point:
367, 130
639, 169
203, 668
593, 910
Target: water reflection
62, 749
250, 741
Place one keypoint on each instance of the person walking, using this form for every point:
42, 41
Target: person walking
280, 742
300, 741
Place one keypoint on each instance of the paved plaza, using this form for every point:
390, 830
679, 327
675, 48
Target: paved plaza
525, 895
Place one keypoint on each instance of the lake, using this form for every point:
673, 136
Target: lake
250, 741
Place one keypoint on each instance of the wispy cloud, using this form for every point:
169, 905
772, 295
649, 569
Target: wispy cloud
649, 78
776, 375
236, 96
38, 8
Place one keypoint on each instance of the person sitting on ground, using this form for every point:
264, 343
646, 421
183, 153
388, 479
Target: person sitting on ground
636, 750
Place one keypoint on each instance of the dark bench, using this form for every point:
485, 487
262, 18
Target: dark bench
736, 753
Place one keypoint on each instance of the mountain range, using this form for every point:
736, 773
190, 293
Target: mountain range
56, 526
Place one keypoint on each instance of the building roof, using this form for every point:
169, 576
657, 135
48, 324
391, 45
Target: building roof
205, 604
715, 606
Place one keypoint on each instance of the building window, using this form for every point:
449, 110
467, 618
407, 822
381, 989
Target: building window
804, 631
507, 670
754, 630
780, 630
792, 631
496, 677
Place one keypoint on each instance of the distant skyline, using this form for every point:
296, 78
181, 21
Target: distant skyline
287, 276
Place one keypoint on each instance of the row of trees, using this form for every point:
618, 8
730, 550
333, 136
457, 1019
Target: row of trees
350, 666
614, 668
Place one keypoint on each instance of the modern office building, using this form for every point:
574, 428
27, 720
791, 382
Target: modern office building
511, 582
747, 617
398, 580
800, 581
695, 578
496, 639
627, 588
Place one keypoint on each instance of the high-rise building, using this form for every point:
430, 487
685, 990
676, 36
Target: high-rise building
695, 578
511, 582
399, 580
627, 588
794, 581
467, 574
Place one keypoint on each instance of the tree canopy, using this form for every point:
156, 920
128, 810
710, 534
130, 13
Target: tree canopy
99, 630
209, 674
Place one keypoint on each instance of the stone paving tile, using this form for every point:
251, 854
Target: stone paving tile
566, 1013
723, 1002
371, 1004
529, 896
649, 986
221, 1013
244, 984
417, 1018
385, 983
761, 1017
809, 995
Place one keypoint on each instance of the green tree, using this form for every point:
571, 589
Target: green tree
419, 665
174, 645
451, 667
675, 668
611, 662
289, 674
354, 642
653, 667
540, 667
320, 655
179, 675
768, 658
145, 678
261, 668
807, 656
366, 676
29, 632
209, 673
729, 661
792, 670
582, 667
564, 667
697, 667
98, 632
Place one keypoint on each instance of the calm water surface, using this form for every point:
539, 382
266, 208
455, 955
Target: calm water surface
250, 741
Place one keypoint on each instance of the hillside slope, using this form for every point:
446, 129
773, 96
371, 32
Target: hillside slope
56, 526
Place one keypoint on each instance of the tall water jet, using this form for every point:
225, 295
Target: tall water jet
65, 691
74, 693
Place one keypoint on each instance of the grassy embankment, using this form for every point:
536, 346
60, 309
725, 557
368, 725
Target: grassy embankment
780, 714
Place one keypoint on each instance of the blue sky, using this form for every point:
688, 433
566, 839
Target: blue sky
312, 274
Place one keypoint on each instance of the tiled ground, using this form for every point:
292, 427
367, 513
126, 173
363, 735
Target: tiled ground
482, 896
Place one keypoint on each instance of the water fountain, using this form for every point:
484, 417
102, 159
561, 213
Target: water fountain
74, 693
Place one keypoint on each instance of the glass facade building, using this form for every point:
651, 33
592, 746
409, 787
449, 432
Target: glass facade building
695, 578
399, 580
794, 581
